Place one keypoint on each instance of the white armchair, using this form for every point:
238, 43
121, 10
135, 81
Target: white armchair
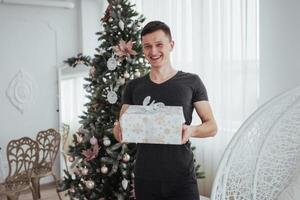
263, 158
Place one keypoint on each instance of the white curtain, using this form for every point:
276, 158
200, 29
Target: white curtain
217, 39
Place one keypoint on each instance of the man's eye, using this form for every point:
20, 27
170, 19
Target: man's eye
159, 45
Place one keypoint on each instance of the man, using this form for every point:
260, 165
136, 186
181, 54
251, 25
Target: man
164, 172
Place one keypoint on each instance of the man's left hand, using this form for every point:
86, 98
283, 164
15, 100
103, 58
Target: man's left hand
186, 133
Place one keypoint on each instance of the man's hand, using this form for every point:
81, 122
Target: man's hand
117, 131
186, 133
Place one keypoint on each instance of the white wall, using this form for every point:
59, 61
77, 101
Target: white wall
279, 47
91, 13
34, 40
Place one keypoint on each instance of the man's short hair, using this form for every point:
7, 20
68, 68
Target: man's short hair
155, 26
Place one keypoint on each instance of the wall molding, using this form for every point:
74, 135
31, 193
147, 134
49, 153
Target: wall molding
21, 90
45, 3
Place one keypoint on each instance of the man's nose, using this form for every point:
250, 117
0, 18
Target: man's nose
153, 50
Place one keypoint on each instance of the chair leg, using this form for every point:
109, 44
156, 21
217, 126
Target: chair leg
35, 184
34, 194
55, 180
13, 196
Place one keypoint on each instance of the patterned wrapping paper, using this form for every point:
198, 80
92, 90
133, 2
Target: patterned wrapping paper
152, 124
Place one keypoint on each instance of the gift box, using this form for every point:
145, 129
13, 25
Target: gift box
156, 124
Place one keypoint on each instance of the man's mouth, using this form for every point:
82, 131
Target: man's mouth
155, 57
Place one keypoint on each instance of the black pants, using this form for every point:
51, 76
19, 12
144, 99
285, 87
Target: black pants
186, 189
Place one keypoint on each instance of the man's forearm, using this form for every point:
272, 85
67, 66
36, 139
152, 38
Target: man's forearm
206, 129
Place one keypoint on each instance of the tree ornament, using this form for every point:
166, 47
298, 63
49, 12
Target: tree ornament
112, 63
121, 81
93, 140
121, 25
79, 138
90, 184
126, 157
72, 190
126, 74
124, 49
107, 13
93, 71
88, 89
104, 169
92, 153
85, 171
71, 159
76, 170
112, 97
106, 141
137, 74
124, 183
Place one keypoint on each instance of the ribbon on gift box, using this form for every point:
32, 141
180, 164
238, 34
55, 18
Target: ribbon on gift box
148, 107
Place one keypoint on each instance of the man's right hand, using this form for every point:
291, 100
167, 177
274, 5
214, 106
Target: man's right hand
117, 131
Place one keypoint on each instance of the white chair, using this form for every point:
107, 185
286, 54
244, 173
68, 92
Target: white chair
263, 158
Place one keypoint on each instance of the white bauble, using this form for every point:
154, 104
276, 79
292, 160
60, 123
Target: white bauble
106, 141
85, 171
121, 81
112, 63
126, 75
124, 183
126, 157
137, 74
90, 184
71, 159
104, 169
112, 97
121, 25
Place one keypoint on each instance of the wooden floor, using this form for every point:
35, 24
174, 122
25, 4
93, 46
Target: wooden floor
48, 192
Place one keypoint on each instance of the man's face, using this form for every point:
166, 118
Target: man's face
157, 47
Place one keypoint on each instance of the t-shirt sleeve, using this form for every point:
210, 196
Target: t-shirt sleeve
127, 94
199, 90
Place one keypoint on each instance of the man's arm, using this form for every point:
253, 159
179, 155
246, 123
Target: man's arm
208, 128
117, 128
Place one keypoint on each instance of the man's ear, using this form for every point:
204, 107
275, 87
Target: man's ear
172, 45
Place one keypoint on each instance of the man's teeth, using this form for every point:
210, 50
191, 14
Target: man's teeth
156, 57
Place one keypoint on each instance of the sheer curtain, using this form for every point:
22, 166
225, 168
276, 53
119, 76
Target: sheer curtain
72, 100
217, 39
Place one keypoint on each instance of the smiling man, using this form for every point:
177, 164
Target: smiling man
166, 172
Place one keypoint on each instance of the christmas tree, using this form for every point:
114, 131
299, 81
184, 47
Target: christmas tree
101, 167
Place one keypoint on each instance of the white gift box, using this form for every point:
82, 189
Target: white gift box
157, 124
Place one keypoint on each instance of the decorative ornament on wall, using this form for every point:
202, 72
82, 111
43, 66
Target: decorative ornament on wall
21, 90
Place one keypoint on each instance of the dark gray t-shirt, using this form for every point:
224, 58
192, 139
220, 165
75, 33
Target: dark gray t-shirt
166, 162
